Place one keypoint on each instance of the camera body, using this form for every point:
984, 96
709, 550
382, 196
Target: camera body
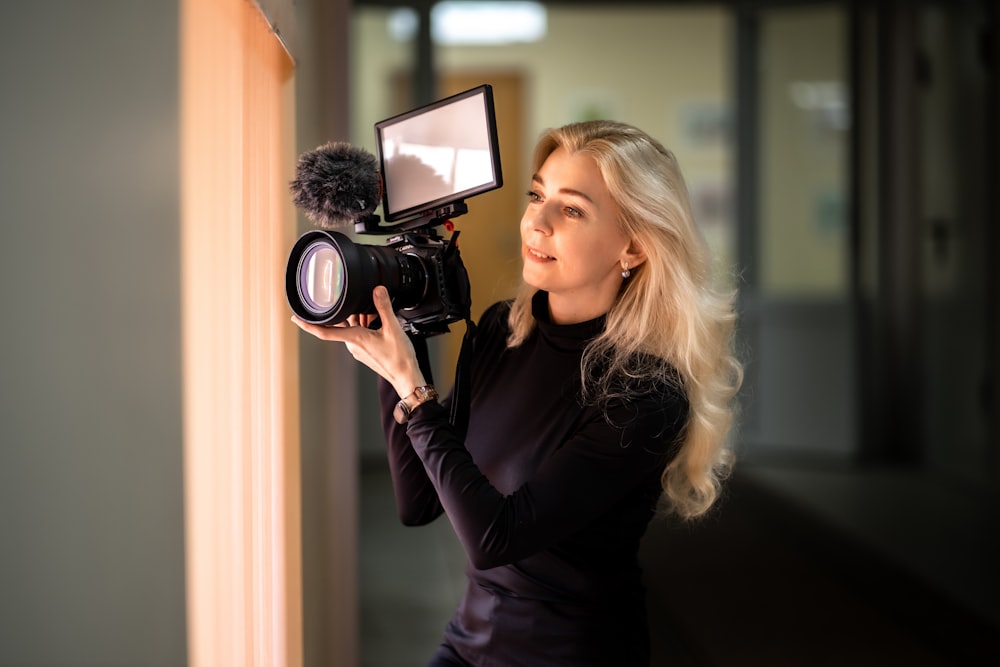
446, 295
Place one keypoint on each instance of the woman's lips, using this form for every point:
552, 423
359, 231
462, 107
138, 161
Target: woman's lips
538, 256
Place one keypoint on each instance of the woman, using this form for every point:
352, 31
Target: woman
604, 387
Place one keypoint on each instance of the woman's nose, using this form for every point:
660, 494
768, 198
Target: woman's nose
536, 219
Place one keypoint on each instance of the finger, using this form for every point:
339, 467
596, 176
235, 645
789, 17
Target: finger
321, 332
305, 326
380, 295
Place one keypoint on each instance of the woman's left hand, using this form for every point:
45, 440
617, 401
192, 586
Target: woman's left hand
387, 350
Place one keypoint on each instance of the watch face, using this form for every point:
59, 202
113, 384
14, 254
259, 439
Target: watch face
420, 396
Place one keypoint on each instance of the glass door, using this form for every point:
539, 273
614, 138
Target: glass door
794, 111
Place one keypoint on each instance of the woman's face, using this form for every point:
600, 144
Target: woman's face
571, 242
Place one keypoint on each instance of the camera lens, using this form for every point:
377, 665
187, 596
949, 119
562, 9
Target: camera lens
329, 277
321, 277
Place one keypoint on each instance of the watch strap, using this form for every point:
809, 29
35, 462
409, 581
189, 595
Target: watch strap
409, 403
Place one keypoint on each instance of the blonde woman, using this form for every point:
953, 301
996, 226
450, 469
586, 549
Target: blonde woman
601, 391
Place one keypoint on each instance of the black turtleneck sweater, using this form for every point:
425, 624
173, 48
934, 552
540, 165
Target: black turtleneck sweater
549, 498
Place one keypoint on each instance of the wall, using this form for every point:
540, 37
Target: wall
582, 62
92, 562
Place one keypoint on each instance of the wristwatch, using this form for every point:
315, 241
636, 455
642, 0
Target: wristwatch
406, 405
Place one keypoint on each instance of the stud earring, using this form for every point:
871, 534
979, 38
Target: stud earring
625, 272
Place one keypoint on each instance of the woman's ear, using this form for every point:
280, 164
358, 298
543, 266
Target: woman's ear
633, 255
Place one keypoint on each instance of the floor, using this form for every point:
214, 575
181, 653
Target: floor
776, 576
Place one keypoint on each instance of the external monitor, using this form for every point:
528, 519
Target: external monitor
438, 154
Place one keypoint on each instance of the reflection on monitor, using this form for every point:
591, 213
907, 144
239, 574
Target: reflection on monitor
438, 154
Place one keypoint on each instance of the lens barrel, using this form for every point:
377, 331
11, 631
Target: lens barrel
329, 277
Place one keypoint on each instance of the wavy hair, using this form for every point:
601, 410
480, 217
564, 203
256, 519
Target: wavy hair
669, 324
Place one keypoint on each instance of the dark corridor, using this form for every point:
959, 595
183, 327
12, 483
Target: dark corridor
766, 581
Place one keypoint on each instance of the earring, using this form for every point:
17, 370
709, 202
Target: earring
625, 272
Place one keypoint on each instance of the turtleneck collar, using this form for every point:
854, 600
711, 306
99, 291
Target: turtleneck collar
569, 337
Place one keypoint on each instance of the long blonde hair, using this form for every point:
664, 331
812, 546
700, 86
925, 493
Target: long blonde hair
669, 324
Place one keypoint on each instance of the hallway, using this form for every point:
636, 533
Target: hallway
761, 582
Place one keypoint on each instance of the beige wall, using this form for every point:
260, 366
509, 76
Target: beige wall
646, 64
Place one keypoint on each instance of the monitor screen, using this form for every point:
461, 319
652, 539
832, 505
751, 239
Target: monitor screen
438, 154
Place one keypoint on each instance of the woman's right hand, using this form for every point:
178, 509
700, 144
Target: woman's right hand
386, 350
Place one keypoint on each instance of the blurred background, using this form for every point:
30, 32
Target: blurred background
842, 161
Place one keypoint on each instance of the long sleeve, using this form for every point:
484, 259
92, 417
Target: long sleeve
416, 498
537, 465
580, 482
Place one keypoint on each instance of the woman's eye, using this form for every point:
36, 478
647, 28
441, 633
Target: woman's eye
573, 212
534, 196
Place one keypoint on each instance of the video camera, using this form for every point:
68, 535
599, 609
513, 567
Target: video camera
429, 160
